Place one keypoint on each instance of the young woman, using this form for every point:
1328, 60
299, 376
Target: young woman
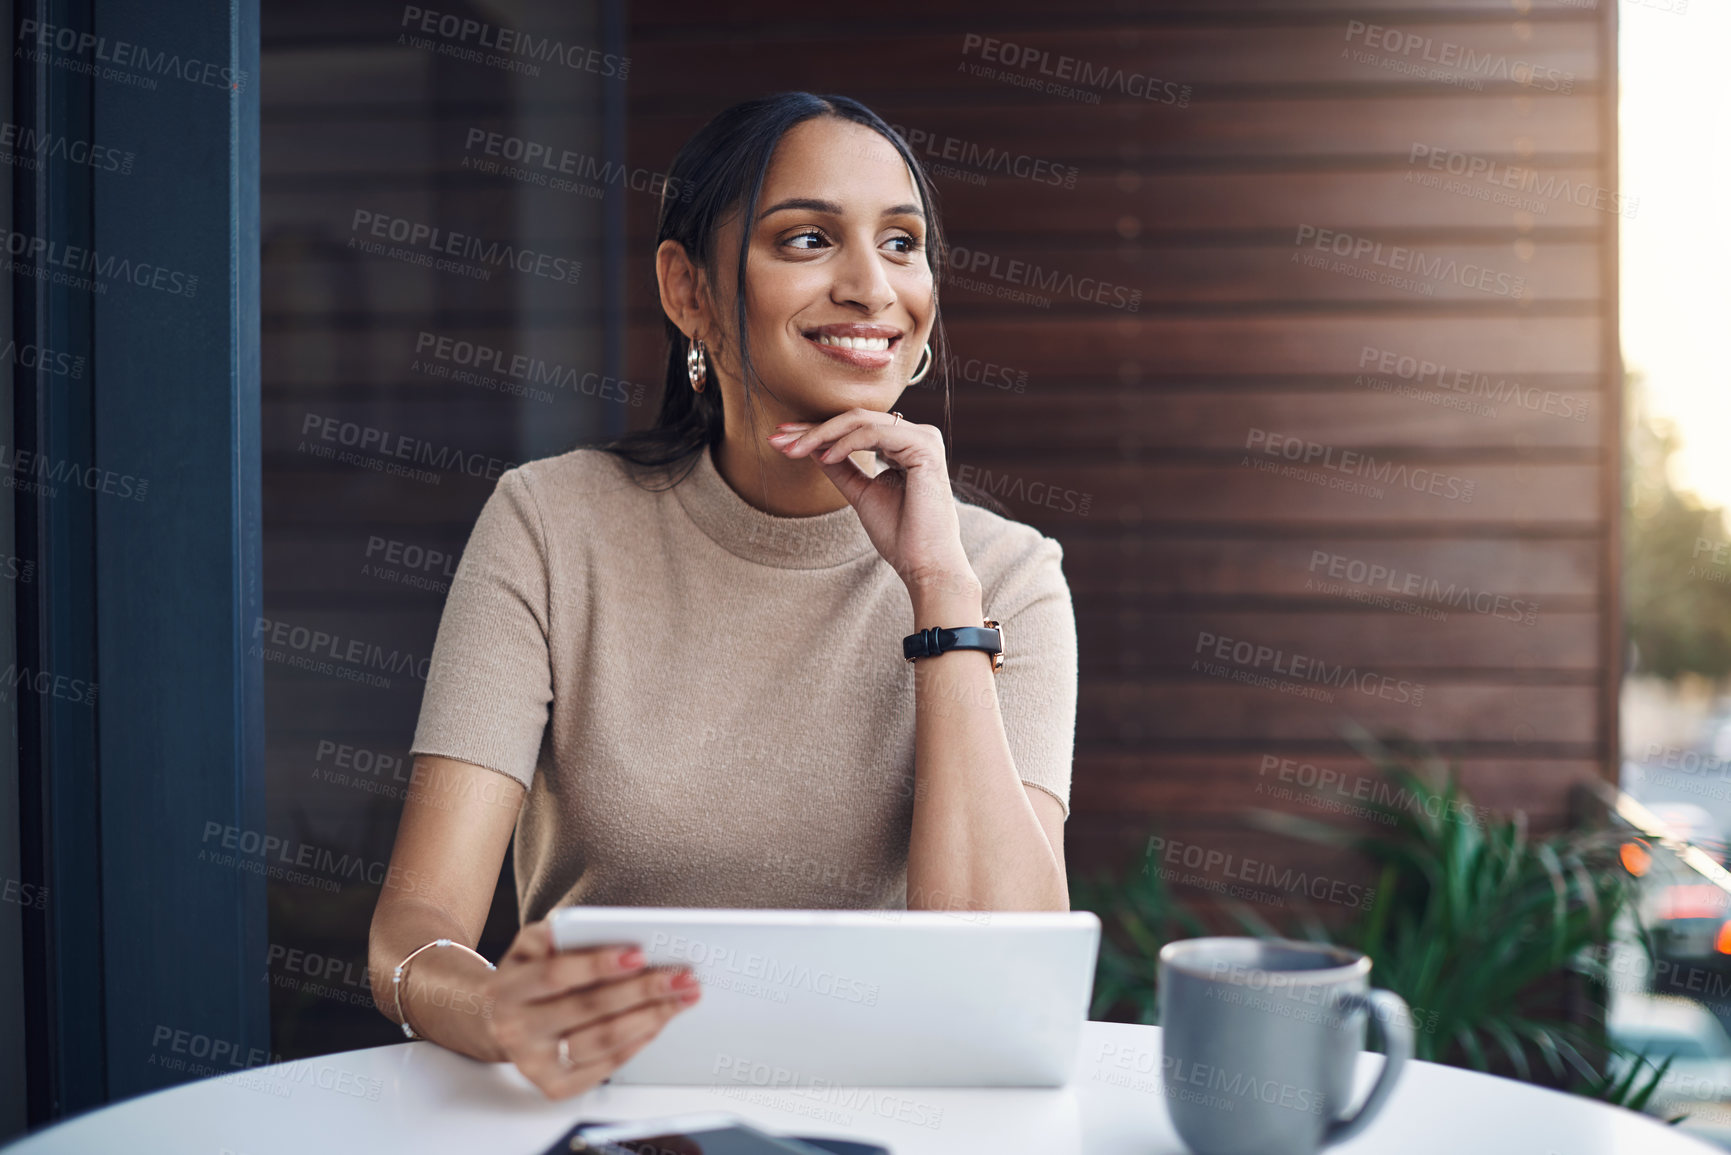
695, 693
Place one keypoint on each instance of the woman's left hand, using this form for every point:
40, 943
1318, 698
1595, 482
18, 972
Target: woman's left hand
908, 509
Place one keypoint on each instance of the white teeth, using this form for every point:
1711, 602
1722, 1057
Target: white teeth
878, 344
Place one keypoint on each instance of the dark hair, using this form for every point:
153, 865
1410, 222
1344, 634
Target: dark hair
721, 166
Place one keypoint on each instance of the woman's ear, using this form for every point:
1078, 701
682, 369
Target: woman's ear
681, 285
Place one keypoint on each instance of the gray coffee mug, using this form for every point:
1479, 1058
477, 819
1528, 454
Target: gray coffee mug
1259, 1040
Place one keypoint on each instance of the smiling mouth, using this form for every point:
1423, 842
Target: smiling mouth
863, 344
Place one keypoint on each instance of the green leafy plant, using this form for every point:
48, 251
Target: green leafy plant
1476, 923
1632, 1089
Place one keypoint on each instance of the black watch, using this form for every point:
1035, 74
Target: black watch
930, 643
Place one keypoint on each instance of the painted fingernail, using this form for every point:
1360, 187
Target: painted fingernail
689, 997
784, 436
630, 958
684, 981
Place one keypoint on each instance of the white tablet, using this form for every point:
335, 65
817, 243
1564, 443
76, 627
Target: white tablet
801, 999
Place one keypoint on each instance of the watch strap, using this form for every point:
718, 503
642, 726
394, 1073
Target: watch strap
929, 643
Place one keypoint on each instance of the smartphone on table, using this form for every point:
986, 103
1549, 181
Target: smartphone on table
705, 1133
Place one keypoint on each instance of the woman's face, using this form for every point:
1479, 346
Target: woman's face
839, 288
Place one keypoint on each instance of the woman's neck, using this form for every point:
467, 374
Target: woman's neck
796, 487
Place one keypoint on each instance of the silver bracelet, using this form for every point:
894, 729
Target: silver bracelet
397, 978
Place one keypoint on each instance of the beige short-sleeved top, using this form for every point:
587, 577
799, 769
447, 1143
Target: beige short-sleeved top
708, 703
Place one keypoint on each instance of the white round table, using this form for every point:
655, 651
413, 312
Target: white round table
418, 1097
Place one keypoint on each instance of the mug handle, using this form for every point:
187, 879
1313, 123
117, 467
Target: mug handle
1388, 1011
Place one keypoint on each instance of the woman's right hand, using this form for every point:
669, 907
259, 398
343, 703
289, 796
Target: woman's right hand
607, 1006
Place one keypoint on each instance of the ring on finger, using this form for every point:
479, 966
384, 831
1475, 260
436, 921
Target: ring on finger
565, 1053
898, 416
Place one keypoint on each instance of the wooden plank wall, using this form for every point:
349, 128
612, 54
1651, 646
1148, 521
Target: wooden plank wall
1272, 126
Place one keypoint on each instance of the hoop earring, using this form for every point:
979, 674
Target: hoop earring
697, 365
925, 365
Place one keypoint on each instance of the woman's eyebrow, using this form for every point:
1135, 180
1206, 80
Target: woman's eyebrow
817, 205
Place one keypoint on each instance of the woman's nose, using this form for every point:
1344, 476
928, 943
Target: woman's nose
860, 280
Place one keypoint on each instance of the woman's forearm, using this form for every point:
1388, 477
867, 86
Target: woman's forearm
976, 842
442, 992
